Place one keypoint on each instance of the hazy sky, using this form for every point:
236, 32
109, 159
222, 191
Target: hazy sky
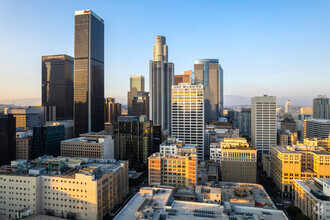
275, 47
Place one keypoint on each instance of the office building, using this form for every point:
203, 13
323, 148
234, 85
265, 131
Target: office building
57, 84
263, 123
133, 141
188, 115
321, 107
288, 124
177, 170
312, 197
112, 110
24, 145
244, 122
157, 138
160, 85
26, 118
297, 162
92, 145
306, 110
286, 138
140, 104
47, 140
7, 138
288, 107
208, 171
209, 73
136, 85
162, 203
71, 188
181, 79
318, 142
236, 159
174, 146
316, 128
160, 50
68, 127
88, 72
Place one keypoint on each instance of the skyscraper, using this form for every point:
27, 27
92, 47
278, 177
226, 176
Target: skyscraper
140, 104
263, 123
112, 110
57, 85
321, 107
7, 138
209, 73
88, 72
133, 141
160, 49
288, 106
160, 82
188, 115
136, 85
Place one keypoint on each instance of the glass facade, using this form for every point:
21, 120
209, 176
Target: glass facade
57, 85
209, 73
88, 73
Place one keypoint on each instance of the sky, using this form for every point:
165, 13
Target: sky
274, 47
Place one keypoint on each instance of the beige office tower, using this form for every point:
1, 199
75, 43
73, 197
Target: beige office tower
136, 86
188, 115
263, 123
160, 49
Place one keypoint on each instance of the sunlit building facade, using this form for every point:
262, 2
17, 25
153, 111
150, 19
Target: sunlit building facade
178, 170
72, 188
297, 162
188, 115
263, 123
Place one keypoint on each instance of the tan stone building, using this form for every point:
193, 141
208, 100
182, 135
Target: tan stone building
23, 145
78, 188
297, 162
178, 170
237, 160
318, 142
92, 145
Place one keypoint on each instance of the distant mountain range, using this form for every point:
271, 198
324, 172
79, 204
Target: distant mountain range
229, 100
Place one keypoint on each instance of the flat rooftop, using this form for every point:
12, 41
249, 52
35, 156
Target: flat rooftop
243, 213
143, 201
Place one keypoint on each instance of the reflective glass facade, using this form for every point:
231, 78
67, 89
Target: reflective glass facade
57, 85
209, 73
88, 73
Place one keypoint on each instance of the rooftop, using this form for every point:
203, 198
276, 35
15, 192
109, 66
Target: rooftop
296, 149
65, 167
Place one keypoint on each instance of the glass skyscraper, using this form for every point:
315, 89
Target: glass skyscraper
57, 85
209, 73
88, 72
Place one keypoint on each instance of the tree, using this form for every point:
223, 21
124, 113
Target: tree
293, 211
301, 217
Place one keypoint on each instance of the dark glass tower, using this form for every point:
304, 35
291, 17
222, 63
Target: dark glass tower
88, 72
7, 139
57, 85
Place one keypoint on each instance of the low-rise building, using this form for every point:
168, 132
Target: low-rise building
297, 162
92, 145
178, 170
313, 197
173, 146
286, 138
159, 203
318, 142
237, 160
78, 188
